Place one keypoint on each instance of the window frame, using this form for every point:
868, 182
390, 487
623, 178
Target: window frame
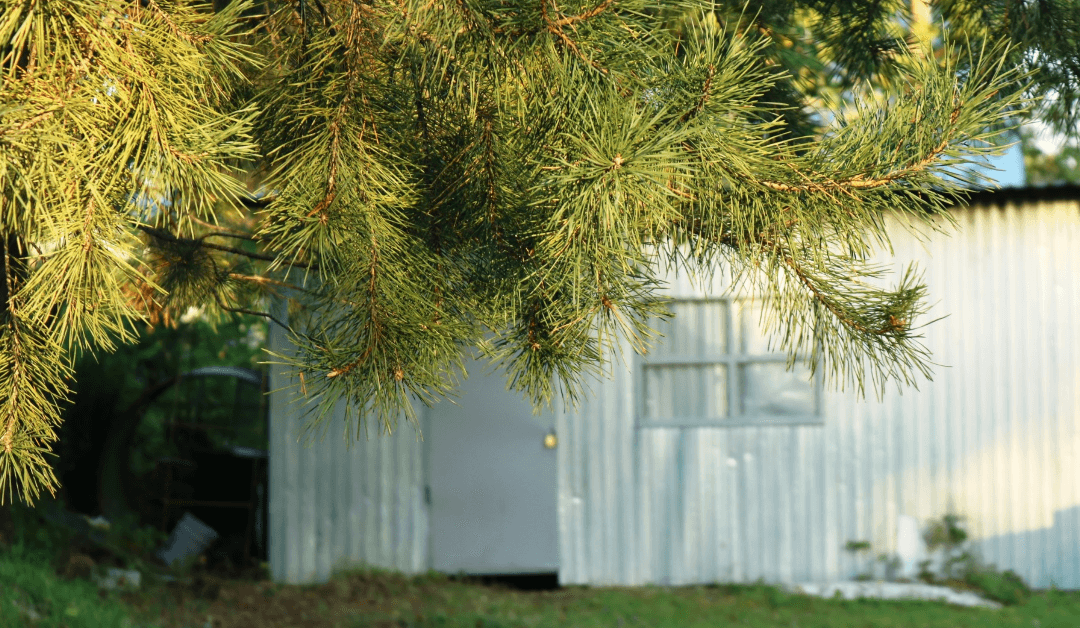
731, 360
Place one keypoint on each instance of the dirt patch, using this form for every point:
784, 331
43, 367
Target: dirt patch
370, 599
78, 566
208, 601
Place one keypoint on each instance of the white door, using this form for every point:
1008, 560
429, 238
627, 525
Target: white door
491, 481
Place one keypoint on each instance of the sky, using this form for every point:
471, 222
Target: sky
1011, 164
1010, 168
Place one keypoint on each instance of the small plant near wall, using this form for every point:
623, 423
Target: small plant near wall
857, 549
957, 564
953, 563
884, 567
946, 536
857, 546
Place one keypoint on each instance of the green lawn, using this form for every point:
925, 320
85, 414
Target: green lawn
435, 601
32, 595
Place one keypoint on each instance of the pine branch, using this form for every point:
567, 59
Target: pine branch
269, 281
573, 19
334, 157
240, 310
480, 174
894, 324
168, 237
555, 28
8, 305
219, 232
704, 95
860, 181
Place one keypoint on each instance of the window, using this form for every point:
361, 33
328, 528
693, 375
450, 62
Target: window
713, 367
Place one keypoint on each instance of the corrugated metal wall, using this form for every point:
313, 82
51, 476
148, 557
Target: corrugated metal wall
331, 507
994, 438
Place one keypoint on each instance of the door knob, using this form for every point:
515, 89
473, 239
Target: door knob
550, 440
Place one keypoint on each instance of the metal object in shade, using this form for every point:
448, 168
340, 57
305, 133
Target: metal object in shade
189, 538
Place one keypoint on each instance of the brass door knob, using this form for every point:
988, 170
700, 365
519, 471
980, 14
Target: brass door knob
550, 440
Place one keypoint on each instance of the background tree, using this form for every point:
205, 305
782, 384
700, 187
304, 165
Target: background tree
422, 177
137, 385
1053, 167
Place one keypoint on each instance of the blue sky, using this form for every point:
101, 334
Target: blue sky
1010, 167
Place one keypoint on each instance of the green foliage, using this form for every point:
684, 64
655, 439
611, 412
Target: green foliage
948, 536
424, 180
165, 351
135, 542
1050, 168
41, 538
109, 109
1045, 35
105, 386
627, 157
857, 546
32, 595
34, 537
1001, 586
947, 533
424, 604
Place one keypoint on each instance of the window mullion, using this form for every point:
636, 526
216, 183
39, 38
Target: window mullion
690, 359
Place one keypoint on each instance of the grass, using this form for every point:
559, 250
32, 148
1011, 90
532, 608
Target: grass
432, 602
376, 599
33, 596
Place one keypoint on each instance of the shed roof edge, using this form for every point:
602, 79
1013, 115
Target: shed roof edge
1022, 194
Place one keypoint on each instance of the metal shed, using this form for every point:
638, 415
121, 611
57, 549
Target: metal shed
745, 473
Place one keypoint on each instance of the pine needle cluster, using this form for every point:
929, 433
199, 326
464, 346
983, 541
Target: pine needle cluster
421, 179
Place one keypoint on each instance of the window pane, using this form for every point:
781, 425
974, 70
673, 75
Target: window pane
698, 329
685, 392
749, 335
770, 390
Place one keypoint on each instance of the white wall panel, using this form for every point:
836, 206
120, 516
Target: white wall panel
995, 438
333, 506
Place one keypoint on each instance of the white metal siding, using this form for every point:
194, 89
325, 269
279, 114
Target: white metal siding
994, 438
332, 506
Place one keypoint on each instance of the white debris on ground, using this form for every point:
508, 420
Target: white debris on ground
26, 610
853, 590
119, 579
98, 523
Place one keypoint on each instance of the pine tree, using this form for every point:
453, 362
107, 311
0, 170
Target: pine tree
421, 178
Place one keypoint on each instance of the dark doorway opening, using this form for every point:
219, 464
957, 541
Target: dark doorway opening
518, 582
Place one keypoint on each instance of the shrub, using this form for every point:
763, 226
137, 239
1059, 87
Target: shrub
1001, 586
948, 536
